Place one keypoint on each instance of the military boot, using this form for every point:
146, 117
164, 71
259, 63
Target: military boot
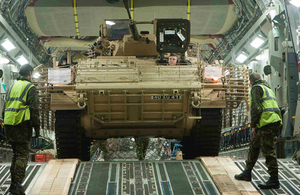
16, 189
245, 175
273, 183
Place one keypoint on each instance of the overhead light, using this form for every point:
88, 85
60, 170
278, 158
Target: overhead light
241, 58
259, 57
295, 3
272, 13
36, 75
22, 60
250, 66
8, 45
257, 42
110, 23
4, 60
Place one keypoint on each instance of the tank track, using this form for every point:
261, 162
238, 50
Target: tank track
205, 136
70, 136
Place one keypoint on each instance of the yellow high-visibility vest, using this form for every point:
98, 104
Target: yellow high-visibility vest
16, 110
271, 111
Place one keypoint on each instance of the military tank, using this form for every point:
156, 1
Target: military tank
126, 89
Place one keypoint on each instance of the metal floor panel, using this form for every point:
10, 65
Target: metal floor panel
33, 171
142, 178
154, 178
289, 176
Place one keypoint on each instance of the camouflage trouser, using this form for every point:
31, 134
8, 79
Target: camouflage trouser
141, 145
19, 161
264, 140
103, 147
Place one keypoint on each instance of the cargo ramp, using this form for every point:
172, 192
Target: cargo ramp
209, 175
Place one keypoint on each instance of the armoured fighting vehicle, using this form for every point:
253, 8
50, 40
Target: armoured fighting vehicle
126, 89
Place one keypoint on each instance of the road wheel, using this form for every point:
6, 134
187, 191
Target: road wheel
204, 139
71, 141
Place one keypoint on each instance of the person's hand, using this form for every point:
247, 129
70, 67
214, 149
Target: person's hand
37, 132
253, 133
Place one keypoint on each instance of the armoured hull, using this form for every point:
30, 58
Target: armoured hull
125, 96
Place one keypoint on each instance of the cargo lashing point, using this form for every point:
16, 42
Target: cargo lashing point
196, 100
196, 106
84, 105
81, 102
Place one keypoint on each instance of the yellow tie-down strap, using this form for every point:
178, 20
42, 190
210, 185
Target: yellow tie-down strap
189, 10
76, 18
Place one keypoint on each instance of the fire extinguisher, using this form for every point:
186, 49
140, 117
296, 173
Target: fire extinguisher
299, 66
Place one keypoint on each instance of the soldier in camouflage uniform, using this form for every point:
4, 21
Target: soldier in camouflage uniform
20, 115
102, 144
141, 145
265, 121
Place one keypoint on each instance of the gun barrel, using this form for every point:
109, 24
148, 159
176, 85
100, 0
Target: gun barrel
134, 30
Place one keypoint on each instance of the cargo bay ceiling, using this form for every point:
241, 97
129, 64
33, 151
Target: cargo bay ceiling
56, 17
215, 24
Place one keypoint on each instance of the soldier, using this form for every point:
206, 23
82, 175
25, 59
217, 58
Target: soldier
141, 145
20, 115
265, 121
102, 144
172, 60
